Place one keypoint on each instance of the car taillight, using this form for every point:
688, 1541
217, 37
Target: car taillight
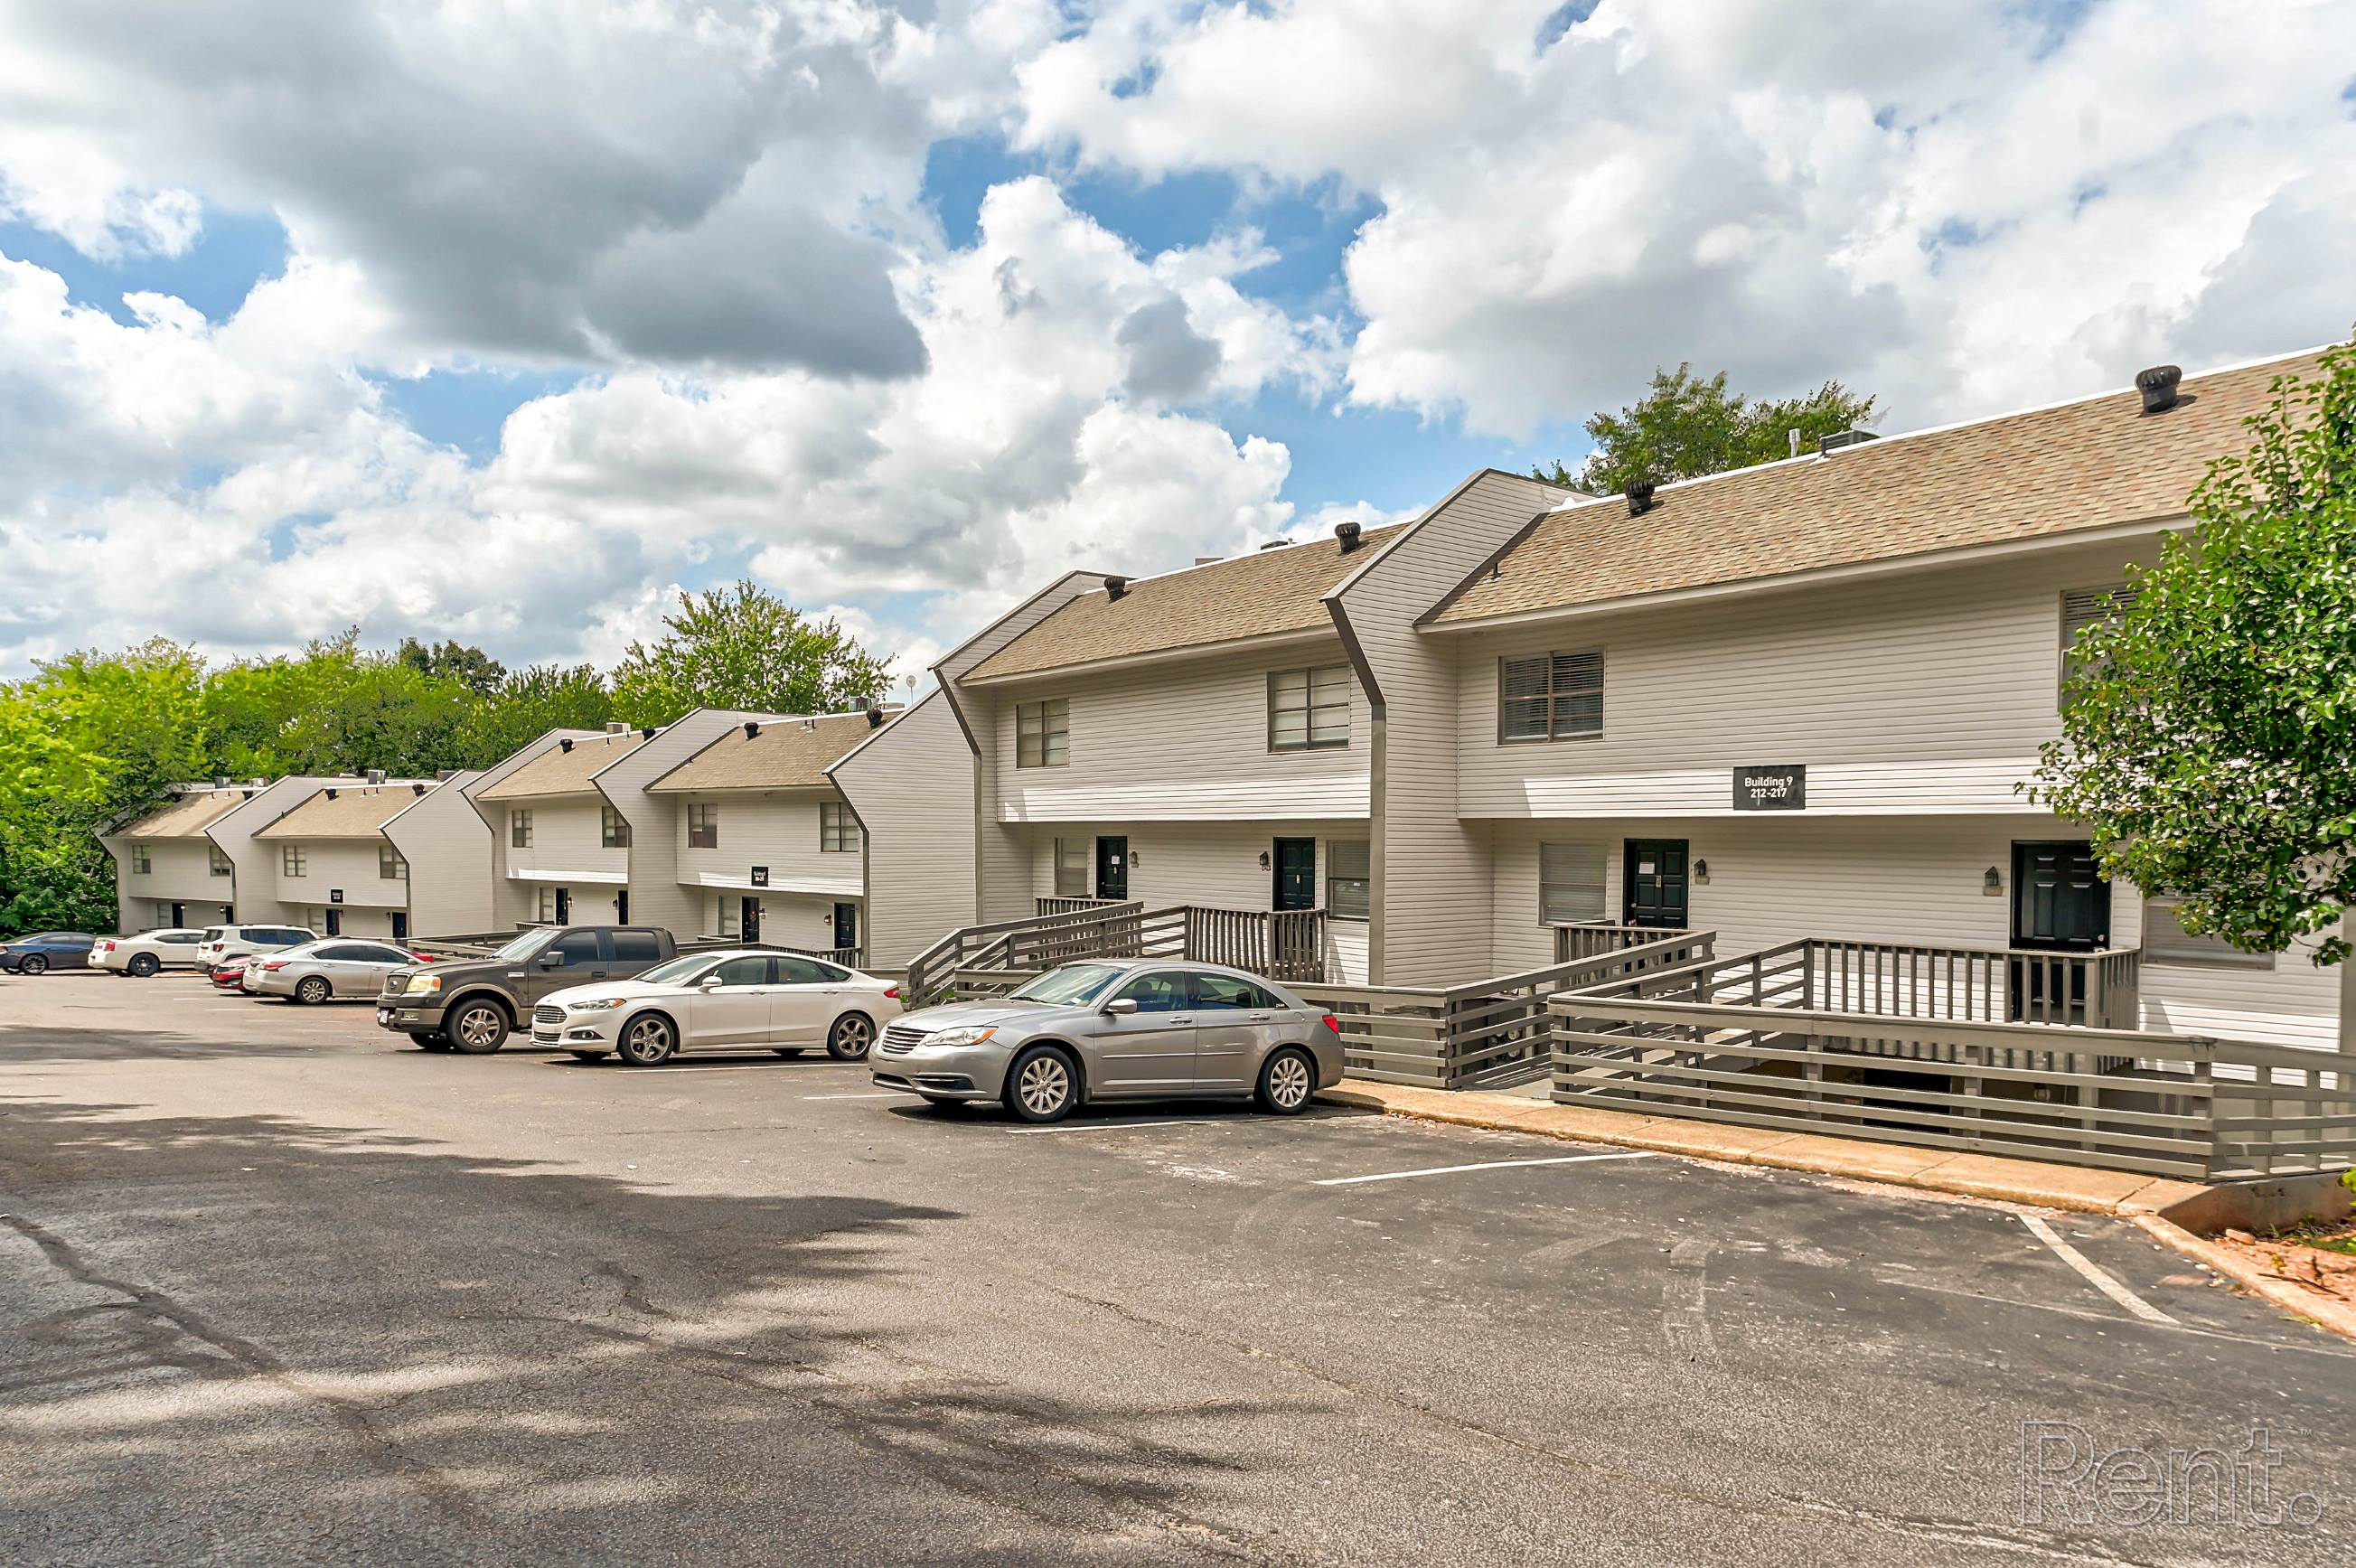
275, 963
1333, 1023
422, 957
107, 947
892, 994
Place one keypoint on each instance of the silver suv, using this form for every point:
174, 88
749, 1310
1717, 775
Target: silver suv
1143, 1029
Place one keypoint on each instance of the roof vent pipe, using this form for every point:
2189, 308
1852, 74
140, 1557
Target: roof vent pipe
2157, 385
874, 717
752, 729
565, 743
331, 794
1115, 586
1347, 532
645, 734
1640, 498
418, 788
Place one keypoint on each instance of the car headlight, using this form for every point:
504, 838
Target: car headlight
599, 1006
965, 1036
421, 984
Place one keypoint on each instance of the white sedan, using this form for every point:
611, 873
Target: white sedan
735, 1000
143, 955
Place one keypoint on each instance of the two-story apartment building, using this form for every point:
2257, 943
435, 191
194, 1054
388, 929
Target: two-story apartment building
766, 848
1195, 738
167, 870
341, 871
1792, 701
560, 847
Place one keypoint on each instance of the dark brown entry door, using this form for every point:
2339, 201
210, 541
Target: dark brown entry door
1653, 883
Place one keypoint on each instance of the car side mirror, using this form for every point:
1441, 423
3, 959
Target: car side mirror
1122, 1007
709, 982
552, 960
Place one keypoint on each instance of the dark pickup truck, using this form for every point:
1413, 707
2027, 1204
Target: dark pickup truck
473, 1005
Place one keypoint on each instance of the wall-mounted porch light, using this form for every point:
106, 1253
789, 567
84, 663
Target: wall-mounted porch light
1993, 883
1263, 860
1701, 871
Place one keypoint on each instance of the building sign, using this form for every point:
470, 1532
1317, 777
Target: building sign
335, 894
1783, 789
760, 877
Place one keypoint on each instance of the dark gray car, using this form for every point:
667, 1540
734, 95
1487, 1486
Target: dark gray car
471, 1005
1140, 1029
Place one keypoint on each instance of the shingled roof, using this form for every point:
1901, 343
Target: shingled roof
788, 753
2096, 463
354, 812
560, 771
186, 818
1259, 595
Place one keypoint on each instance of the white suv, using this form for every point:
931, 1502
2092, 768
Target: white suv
237, 941
143, 955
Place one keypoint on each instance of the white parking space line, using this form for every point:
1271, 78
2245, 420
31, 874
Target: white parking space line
879, 1094
2094, 1275
1484, 1165
1125, 1126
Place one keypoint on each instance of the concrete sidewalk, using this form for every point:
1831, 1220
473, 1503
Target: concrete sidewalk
2077, 1188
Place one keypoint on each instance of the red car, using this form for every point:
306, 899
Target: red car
229, 971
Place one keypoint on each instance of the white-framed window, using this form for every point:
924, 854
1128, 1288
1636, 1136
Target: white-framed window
703, 827
613, 828
1349, 878
1071, 868
1550, 696
219, 859
1571, 888
2082, 607
519, 827
140, 864
293, 861
548, 906
389, 865
1309, 710
1043, 732
838, 829
2166, 941
724, 910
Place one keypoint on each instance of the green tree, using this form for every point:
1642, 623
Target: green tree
743, 647
2209, 725
1685, 426
335, 708
470, 666
529, 704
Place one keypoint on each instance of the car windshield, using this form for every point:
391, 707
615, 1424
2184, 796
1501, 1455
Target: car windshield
677, 970
1074, 982
524, 946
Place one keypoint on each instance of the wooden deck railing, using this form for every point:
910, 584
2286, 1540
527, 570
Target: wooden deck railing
1286, 945
2181, 1105
1062, 906
1589, 939
2097, 989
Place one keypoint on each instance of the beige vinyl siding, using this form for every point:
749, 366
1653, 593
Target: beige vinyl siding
779, 829
913, 788
1215, 864
349, 864
1186, 742
1001, 867
449, 852
257, 860
787, 920
657, 821
1895, 880
1926, 692
374, 922
179, 872
1430, 868
513, 902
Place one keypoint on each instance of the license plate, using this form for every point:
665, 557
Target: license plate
384, 1015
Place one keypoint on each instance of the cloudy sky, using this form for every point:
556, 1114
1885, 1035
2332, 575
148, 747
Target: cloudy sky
500, 318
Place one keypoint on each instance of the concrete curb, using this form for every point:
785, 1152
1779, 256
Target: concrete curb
2336, 1316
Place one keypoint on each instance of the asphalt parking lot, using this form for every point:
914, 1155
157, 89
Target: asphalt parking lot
271, 1289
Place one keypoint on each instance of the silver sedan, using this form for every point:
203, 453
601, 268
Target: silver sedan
317, 971
1146, 1030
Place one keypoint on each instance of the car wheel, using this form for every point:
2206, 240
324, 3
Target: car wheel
145, 964
1043, 1084
1287, 1081
786, 1050
851, 1038
34, 964
586, 1056
312, 990
648, 1040
480, 1028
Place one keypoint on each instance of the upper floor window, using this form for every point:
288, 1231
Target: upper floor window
389, 866
1348, 876
2165, 941
292, 860
140, 864
703, 827
1043, 732
838, 829
1309, 710
1550, 696
613, 830
219, 859
2082, 607
519, 827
